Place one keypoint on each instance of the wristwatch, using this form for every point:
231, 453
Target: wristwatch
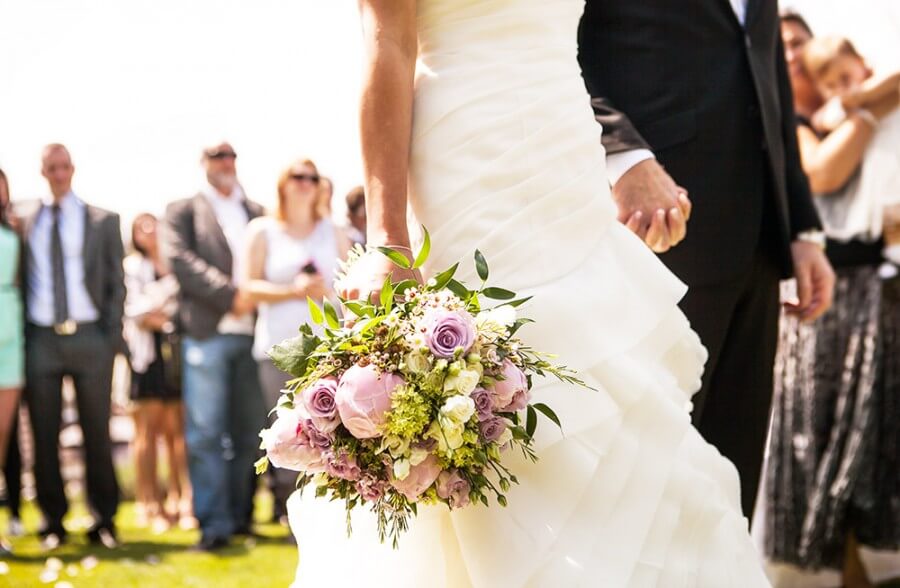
814, 236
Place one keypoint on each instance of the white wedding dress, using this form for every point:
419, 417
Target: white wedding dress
507, 158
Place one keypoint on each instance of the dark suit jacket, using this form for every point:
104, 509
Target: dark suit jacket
202, 261
103, 274
713, 101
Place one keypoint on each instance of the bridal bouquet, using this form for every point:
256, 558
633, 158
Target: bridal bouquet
412, 400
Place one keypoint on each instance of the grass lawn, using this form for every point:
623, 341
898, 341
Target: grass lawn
148, 559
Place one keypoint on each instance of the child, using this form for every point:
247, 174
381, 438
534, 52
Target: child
848, 84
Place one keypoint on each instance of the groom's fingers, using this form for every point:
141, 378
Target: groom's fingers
658, 233
677, 226
635, 224
684, 203
804, 291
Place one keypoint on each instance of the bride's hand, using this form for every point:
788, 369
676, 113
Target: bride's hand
366, 277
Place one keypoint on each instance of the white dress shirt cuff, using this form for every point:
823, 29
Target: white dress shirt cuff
619, 163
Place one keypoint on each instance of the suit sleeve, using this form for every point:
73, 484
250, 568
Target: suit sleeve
114, 254
196, 277
804, 216
619, 134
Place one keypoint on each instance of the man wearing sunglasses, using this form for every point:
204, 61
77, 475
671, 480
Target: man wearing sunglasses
224, 409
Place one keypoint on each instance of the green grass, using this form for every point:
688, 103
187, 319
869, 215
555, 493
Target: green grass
148, 559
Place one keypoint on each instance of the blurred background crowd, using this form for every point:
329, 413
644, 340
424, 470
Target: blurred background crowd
139, 338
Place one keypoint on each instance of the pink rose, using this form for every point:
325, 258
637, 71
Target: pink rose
288, 446
446, 331
363, 398
318, 399
420, 478
513, 381
454, 488
519, 402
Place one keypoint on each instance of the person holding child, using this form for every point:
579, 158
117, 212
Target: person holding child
831, 479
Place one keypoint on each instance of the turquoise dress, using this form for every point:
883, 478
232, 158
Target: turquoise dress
12, 355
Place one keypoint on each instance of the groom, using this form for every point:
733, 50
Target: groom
698, 89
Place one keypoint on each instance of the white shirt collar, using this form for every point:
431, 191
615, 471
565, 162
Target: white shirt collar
68, 202
214, 196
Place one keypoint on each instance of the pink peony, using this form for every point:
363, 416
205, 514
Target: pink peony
318, 398
363, 398
288, 446
513, 381
454, 488
420, 478
519, 402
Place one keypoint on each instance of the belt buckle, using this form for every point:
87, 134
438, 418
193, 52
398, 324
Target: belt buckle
68, 327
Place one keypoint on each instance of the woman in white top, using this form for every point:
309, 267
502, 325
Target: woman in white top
290, 256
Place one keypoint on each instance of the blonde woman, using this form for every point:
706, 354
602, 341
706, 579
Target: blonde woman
290, 256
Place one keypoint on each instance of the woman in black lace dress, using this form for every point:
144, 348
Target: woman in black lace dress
833, 473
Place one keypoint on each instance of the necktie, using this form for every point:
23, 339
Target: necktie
60, 299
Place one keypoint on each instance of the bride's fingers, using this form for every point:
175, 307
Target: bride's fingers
634, 224
658, 233
677, 226
685, 204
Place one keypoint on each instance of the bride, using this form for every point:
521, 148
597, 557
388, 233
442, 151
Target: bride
492, 144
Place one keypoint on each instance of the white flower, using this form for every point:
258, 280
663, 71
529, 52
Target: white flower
459, 408
396, 446
401, 469
505, 437
417, 362
463, 382
418, 455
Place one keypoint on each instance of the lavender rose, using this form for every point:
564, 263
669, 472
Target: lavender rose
492, 428
484, 403
319, 402
316, 438
363, 398
288, 446
344, 466
513, 381
419, 479
446, 331
454, 488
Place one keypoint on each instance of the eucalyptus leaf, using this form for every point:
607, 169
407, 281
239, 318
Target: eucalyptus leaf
531, 422
387, 294
331, 316
395, 256
443, 278
481, 266
422, 257
458, 289
498, 293
547, 412
315, 313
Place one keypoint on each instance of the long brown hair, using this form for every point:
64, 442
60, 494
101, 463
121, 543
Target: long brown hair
4, 206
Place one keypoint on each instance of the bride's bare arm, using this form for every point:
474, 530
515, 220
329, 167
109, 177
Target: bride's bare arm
391, 45
389, 29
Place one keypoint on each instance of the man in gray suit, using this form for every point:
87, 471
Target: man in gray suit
224, 410
75, 294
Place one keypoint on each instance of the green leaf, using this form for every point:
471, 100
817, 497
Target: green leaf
395, 256
547, 412
531, 422
261, 465
315, 313
517, 303
371, 324
422, 257
443, 278
292, 355
357, 308
458, 289
331, 316
498, 293
481, 266
518, 325
387, 295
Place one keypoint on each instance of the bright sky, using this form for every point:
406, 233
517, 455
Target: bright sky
136, 87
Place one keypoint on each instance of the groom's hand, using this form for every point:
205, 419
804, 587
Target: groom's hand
652, 205
815, 281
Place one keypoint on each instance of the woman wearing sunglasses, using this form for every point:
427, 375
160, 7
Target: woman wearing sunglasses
291, 255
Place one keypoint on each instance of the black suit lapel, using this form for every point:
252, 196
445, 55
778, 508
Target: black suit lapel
752, 11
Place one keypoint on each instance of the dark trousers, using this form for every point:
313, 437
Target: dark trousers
12, 471
87, 357
738, 323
